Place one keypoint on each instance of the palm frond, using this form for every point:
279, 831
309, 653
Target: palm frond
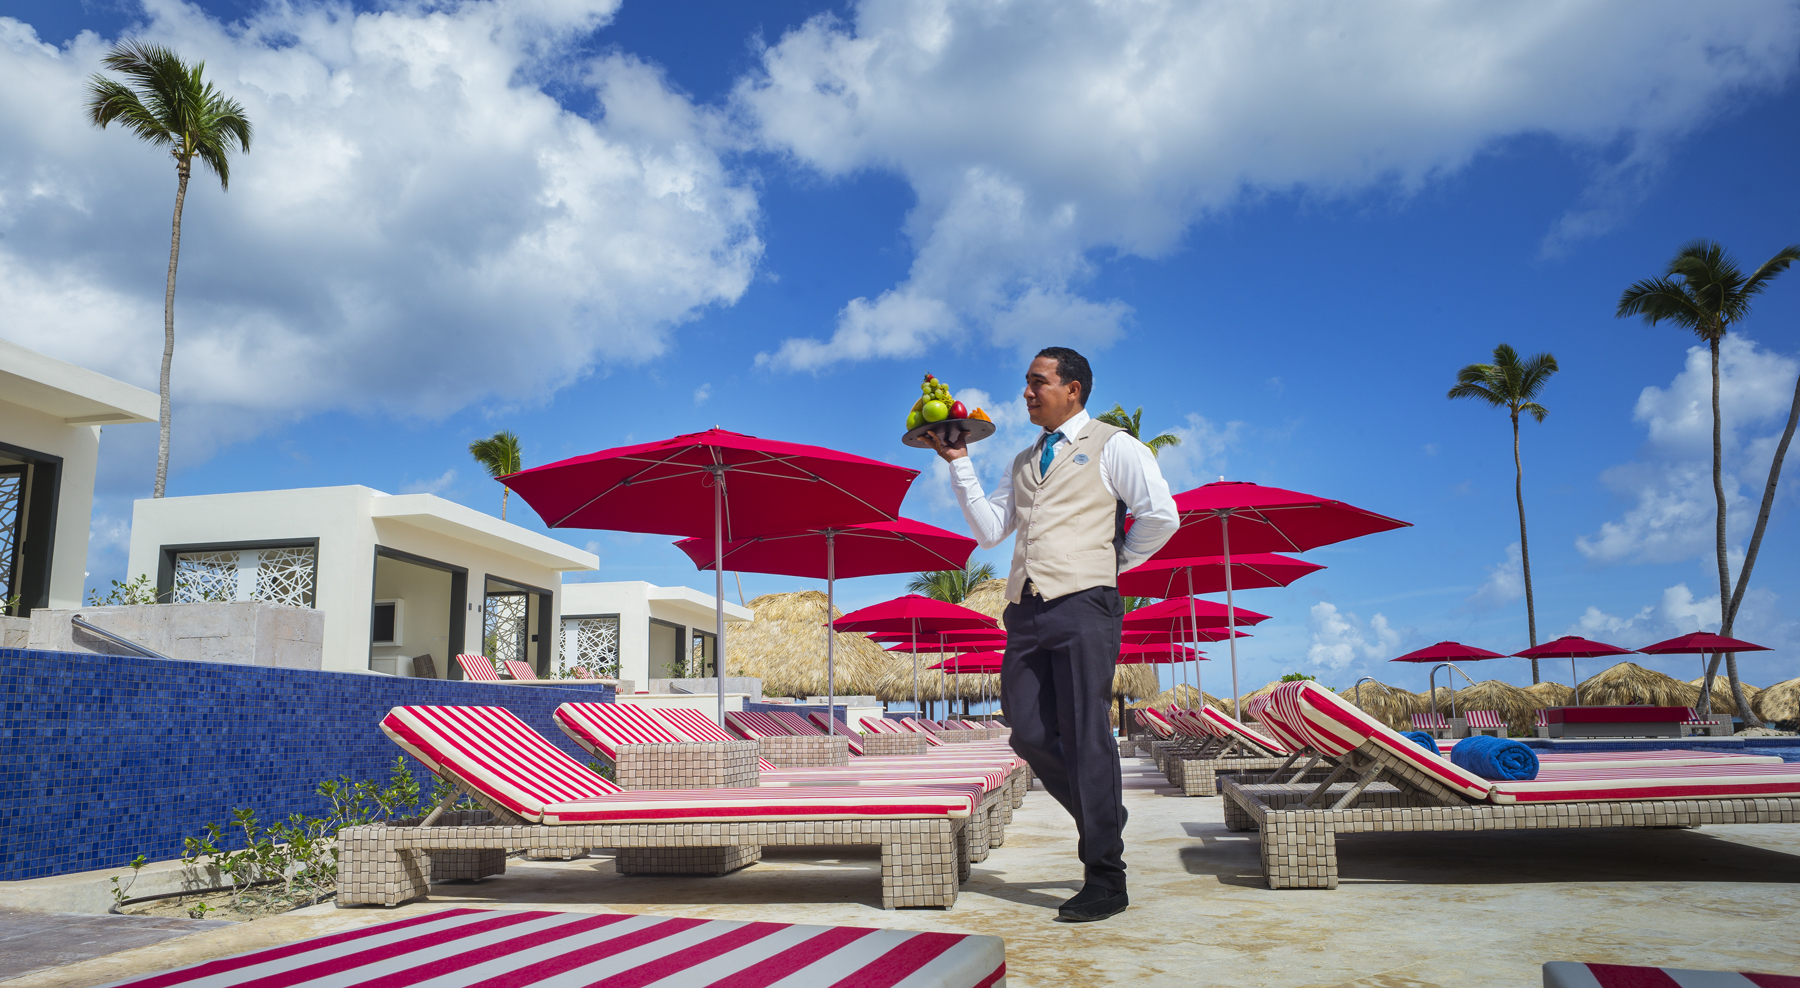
1767, 271
499, 454
1659, 299
1157, 444
951, 586
170, 103
1117, 416
1536, 410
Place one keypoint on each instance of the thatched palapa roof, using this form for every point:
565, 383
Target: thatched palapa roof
1389, 704
1182, 695
989, 597
1548, 694
1628, 684
1511, 702
1779, 703
784, 646
1721, 693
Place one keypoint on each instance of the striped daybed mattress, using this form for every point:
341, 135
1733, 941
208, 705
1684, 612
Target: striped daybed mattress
466, 948
1380, 780
543, 801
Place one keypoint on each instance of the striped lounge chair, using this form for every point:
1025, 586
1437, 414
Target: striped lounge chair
464, 948
1579, 974
920, 727
1235, 749
1540, 724
478, 668
518, 670
1431, 723
650, 752
1485, 722
851, 738
542, 800
1712, 726
782, 742
1382, 781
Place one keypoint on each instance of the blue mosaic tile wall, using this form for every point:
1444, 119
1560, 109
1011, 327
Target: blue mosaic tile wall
104, 757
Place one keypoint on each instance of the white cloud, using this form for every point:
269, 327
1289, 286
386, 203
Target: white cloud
1038, 136
1671, 480
435, 485
1505, 582
702, 393
417, 227
1340, 637
1200, 458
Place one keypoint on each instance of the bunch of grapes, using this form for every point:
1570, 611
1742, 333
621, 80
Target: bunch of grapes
935, 390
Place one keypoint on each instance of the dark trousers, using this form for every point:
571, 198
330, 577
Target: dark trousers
1056, 690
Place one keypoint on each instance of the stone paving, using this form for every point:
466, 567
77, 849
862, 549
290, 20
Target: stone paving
1413, 910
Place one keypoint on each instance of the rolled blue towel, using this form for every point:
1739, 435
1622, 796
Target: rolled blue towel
1423, 740
1500, 759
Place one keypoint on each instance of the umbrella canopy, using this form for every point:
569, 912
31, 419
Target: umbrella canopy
1571, 647
1234, 516
974, 662
1182, 611
667, 487
715, 483
1174, 576
933, 638
838, 552
1158, 653
1131, 637
913, 613
928, 646
1448, 652
1701, 643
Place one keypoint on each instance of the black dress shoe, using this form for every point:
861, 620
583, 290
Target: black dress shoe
1091, 905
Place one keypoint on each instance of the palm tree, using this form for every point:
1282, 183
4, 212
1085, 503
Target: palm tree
169, 103
1513, 385
951, 586
1132, 423
1710, 297
498, 455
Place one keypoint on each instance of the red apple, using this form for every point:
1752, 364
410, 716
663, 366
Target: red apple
957, 411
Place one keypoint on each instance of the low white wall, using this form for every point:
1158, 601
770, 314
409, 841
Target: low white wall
707, 704
15, 632
237, 632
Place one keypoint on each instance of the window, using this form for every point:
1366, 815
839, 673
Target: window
276, 574
12, 525
591, 641
700, 665
385, 625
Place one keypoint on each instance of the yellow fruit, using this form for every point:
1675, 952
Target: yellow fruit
979, 414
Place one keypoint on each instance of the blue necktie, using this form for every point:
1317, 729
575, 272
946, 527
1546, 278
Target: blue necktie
1049, 453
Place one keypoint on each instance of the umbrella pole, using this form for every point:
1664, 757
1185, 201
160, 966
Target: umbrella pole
1194, 629
719, 587
1574, 681
1230, 613
830, 635
915, 655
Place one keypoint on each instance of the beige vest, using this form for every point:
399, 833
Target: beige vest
1068, 526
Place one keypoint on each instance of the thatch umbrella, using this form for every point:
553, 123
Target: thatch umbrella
1779, 704
1547, 694
1389, 704
1422, 702
1628, 684
1133, 681
1508, 700
1244, 701
784, 646
1722, 693
1182, 695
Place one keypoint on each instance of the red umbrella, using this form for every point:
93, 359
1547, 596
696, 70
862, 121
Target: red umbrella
1571, 647
1702, 643
1176, 637
916, 614
1131, 654
899, 546
1206, 613
1262, 519
974, 663
723, 484
1448, 652
973, 634
926, 645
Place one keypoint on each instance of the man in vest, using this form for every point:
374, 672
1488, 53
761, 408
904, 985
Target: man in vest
1066, 497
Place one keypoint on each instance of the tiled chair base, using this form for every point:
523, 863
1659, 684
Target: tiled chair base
801, 752
922, 861
687, 765
685, 860
1198, 776
1127, 747
876, 745
452, 866
1299, 846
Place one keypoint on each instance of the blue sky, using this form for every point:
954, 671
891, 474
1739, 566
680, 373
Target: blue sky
596, 224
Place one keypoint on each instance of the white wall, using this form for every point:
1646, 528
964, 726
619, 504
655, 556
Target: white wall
636, 602
79, 447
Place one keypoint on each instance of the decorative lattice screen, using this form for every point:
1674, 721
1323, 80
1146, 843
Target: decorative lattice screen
285, 575
591, 642
278, 575
504, 631
12, 502
201, 576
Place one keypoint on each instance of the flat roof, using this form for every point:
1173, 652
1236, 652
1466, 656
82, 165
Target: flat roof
435, 514
70, 392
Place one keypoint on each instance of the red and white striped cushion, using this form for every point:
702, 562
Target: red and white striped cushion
1543, 719
851, 737
918, 727
693, 725
877, 773
1485, 719
479, 668
810, 803
518, 670
494, 751
755, 726
797, 725
1336, 728
1628, 759
1694, 720
1189, 724
1225, 725
464, 948
603, 727
1575, 974
880, 725
1588, 784
1159, 723
1429, 722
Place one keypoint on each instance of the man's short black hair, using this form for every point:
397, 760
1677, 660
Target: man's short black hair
1071, 366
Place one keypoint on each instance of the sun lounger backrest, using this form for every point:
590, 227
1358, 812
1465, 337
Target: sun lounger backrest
518, 670
693, 725
854, 739
1227, 726
1158, 723
479, 668
1188, 723
880, 725
605, 726
1428, 721
1336, 728
423, 667
755, 726
494, 752
796, 724
1485, 719
916, 727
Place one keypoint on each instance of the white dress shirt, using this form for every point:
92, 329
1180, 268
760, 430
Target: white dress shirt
1128, 470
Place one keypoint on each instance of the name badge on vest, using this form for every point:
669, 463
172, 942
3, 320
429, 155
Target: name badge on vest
1080, 458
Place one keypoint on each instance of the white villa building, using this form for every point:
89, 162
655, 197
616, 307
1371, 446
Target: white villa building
51, 413
398, 577
638, 631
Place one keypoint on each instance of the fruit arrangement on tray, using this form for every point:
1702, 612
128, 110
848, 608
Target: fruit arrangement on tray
936, 413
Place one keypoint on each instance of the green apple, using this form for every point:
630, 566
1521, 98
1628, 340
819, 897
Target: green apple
914, 420
935, 411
